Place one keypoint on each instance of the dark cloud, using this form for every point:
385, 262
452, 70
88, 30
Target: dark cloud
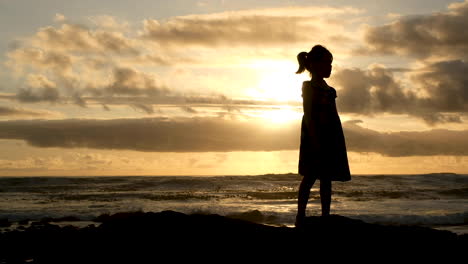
128, 81
406, 143
371, 91
188, 109
78, 99
151, 134
220, 135
446, 83
30, 95
422, 36
439, 89
39, 89
376, 90
146, 108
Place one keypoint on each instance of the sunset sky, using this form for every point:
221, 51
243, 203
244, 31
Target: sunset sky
208, 87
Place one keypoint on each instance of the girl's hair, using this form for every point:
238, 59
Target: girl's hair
305, 59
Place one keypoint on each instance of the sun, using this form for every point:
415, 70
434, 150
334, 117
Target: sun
280, 88
277, 82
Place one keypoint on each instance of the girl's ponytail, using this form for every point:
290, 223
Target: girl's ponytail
302, 59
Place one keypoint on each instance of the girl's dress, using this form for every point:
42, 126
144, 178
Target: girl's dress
321, 123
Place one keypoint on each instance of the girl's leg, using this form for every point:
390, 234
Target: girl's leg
325, 196
303, 195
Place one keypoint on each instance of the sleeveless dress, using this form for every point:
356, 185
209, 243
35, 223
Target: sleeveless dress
321, 123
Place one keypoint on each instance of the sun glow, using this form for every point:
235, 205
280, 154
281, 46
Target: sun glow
278, 82
279, 85
280, 116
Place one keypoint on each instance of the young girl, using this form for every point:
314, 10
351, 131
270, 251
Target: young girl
322, 152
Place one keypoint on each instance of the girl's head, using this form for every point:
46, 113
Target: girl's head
318, 61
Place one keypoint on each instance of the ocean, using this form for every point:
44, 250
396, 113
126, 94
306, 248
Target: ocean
437, 200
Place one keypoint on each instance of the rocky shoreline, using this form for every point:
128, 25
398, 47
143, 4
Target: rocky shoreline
140, 237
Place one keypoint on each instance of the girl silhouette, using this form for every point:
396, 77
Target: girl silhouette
322, 152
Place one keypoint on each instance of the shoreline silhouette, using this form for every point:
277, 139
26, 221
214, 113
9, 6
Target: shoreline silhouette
149, 236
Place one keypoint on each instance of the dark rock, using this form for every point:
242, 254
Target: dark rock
47, 219
66, 219
24, 222
4, 222
37, 223
253, 216
123, 215
151, 237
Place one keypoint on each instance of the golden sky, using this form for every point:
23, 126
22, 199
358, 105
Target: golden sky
208, 87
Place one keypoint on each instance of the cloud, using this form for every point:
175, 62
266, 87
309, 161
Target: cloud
58, 164
22, 112
141, 91
106, 63
92, 159
262, 27
107, 22
28, 95
164, 60
39, 88
146, 108
59, 18
287, 11
188, 109
73, 64
441, 34
32, 163
74, 37
446, 83
371, 91
438, 92
221, 135
406, 143
150, 134
128, 81
232, 31
40, 81
30, 57
126, 86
